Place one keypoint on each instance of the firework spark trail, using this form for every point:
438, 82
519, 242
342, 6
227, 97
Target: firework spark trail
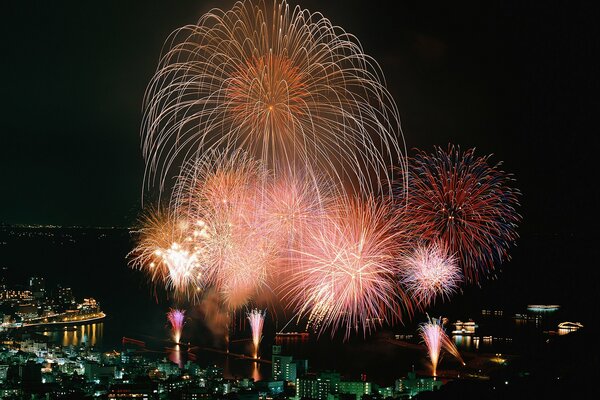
165, 253
345, 270
429, 271
257, 320
461, 200
176, 319
432, 333
280, 82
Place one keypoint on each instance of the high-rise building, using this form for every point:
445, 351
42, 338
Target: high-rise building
322, 386
285, 368
356, 388
64, 296
37, 287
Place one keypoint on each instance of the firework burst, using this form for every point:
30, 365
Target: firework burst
167, 255
284, 84
257, 320
176, 319
428, 272
223, 195
346, 269
464, 202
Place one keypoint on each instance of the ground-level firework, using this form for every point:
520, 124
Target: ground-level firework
176, 319
460, 199
429, 271
257, 320
436, 339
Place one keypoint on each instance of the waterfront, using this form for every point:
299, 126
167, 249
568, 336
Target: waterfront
93, 263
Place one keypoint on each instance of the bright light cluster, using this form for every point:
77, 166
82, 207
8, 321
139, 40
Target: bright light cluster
280, 137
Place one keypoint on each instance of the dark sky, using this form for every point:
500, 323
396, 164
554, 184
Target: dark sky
512, 78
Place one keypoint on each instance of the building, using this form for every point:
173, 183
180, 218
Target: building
568, 327
269, 388
464, 328
386, 392
285, 368
322, 386
412, 385
356, 388
133, 391
64, 297
37, 286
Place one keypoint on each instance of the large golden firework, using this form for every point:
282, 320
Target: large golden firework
283, 84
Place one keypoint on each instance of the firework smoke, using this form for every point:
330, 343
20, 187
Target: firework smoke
429, 271
257, 319
459, 199
177, 319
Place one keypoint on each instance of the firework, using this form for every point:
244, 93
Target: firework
284, 84
176, 319
222, 194
257, 319
429, 271
293, 205
464, 202
432, 333
165, 252
346, 269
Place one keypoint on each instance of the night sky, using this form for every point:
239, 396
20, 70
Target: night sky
515, 78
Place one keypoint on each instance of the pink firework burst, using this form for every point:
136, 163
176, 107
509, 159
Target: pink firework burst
428, 272
223, 195
345, 269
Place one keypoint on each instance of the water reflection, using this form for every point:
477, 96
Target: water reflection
89, 335
256, 372
175, 356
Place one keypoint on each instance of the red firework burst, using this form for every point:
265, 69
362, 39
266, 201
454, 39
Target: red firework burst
465, 202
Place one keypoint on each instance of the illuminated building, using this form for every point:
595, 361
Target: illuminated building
492, 313
269, 388
16, 295
411, 385
542, 308
195, 394
568, 327
133, 391
464, 328
37, 287
64, 296
3, 372
285, 368
386, 392
323, 386
356, 388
